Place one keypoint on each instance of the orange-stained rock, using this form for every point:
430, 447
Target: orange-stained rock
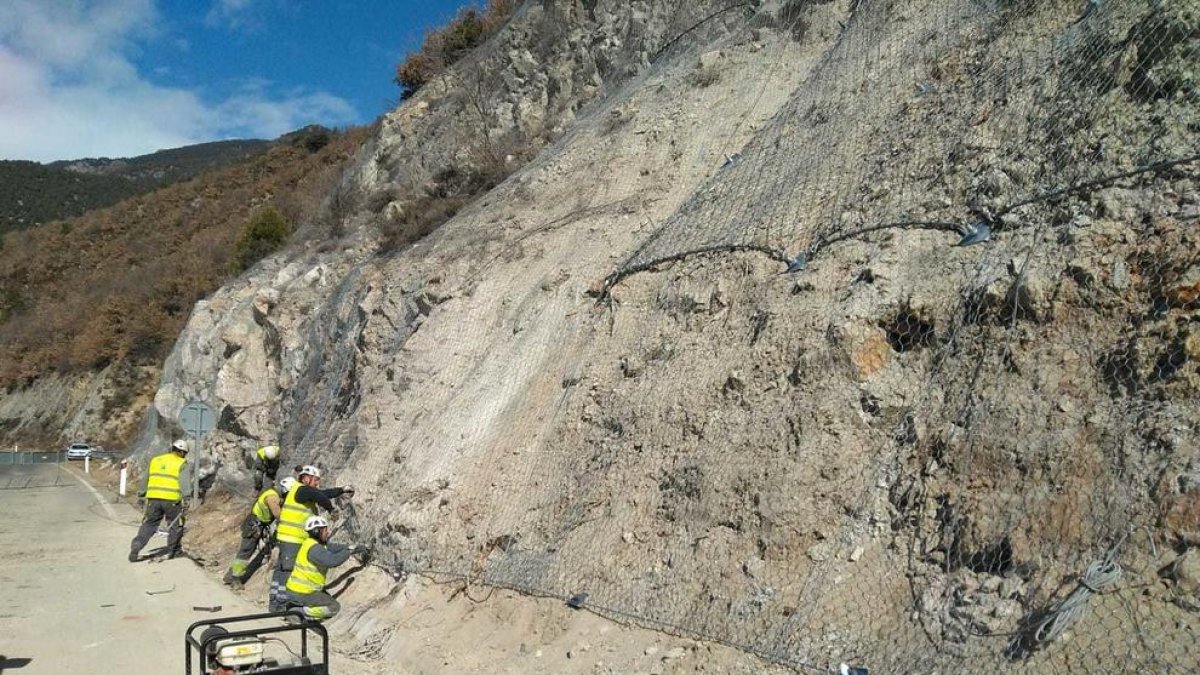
871, 354
1185, 292
1181, 517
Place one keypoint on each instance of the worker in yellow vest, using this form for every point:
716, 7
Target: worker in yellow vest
306, 583
256, 529
168, 477
299, 504
266, 465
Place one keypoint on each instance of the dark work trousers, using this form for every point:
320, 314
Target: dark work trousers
252, 533
278, 595
264, 473
155, 512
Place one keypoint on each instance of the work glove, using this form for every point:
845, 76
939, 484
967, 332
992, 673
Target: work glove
347, 491
361, 552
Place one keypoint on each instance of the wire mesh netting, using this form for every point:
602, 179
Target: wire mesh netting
957, 436
908, 124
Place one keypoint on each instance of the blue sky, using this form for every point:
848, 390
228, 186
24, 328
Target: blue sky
118, 78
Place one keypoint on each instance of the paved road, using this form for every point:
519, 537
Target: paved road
70, 601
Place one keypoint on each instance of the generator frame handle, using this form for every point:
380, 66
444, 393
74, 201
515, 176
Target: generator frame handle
201, 646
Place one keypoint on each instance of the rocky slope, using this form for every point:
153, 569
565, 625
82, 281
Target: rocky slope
595, 378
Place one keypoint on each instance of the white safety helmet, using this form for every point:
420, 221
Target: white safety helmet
315, 523
286, 484
180, 445
271, 451
310, 470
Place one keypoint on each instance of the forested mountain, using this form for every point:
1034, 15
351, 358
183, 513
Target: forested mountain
32, 193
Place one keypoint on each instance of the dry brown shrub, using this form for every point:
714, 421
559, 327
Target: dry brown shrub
445, 46
118, 284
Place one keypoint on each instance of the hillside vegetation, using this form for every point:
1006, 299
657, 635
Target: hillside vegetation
33, 193
117, 284
444, 47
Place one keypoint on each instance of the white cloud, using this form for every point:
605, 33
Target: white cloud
228, 12
70, 34
68, 88
279, 116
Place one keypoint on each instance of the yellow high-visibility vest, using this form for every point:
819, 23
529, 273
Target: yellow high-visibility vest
291, 518
307, 577
163, 482
261, 510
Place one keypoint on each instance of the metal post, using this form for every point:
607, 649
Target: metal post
196, 442
197, 419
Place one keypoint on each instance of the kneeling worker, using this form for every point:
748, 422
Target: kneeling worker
299, 504
306, 585
256, 527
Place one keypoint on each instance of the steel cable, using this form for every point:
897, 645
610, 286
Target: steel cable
1099, 577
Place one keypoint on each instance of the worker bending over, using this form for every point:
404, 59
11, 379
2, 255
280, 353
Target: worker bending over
266, 465
306, 583
256, 528
300, 503
167, 476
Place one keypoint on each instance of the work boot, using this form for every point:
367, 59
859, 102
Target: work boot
295, 615
133, 557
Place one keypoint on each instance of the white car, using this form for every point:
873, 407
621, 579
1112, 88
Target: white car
79, 451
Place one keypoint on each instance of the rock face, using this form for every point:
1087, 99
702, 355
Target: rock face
595, 379
96, 408
527, 86
264, 349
